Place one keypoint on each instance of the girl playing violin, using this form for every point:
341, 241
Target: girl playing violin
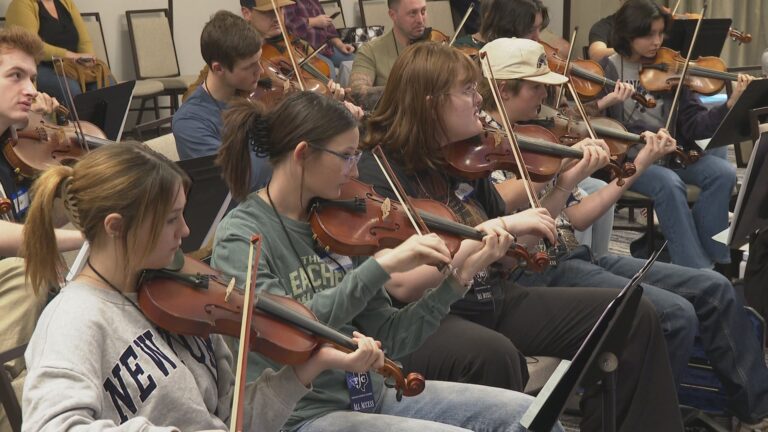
312, 143
683, 297
414, 127
94, 361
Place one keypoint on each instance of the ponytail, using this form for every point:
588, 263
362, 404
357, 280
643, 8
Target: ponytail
245, 129
45, 266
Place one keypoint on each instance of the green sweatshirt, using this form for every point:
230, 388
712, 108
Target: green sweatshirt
355, 301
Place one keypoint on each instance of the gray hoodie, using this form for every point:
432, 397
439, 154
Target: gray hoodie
96, 363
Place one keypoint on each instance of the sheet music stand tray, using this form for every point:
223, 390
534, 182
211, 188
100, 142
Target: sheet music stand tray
598, 355
106, 107
735, 127
208, 199
751, 212
712, 36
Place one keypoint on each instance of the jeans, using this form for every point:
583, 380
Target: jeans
47, 82
443, 406
676, 292
598, 235
334, 61
689, 232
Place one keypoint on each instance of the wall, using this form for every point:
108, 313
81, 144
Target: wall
189, 17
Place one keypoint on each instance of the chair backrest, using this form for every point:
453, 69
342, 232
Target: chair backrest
92, 22
7, 395
2, 22
154, 53
375, 12
330, 7
165, 145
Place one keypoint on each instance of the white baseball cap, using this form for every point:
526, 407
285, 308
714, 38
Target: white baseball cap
517, 58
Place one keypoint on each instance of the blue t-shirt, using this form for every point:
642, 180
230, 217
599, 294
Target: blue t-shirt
197, 130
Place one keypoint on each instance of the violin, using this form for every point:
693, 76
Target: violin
279, 71
541, 149
587, 76
195, 300
362, 222
706, 75
274, 50
569, 131
42, 144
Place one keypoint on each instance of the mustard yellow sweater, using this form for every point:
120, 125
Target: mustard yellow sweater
25, 13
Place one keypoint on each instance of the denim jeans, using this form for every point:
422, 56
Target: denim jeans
598, 235
725, 330
442, 406
47, 82
689, 232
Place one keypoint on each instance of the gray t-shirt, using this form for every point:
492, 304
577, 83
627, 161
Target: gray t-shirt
96, 363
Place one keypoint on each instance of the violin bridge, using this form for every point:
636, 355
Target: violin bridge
230, 288
386, 207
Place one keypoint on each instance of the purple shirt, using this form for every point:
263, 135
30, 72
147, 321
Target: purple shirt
296, 19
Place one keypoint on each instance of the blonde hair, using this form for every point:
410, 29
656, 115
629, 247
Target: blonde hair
407, 119
19, 38
129, 179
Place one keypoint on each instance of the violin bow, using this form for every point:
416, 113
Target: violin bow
236, 415
532, 197
567, 66
461, 24
62, 80
288, 45
410, 211
674, 10
524, 175
676, 99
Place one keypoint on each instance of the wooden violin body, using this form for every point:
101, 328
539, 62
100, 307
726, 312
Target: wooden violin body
42, 144
706, 75
362, 222
196, 301
587, 76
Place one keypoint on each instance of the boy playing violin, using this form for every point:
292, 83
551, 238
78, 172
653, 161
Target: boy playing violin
20, 51
684, 298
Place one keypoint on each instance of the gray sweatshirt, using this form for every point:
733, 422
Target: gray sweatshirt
96, 363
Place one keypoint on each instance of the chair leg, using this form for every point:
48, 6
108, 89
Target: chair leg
141, 110
631, 211
157, 108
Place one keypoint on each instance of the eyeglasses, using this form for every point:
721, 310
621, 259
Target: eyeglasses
471, 92
350, 160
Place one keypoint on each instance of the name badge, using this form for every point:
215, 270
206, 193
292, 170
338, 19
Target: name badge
464, 191
360, 391
20, 200
483, 293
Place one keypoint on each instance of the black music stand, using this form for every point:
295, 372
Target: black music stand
106, 107
735, 127
598, 355
751, 212
208, 200
712, 36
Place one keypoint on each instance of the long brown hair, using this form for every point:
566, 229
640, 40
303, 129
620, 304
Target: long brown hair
129, 179
301, 116
407, 123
